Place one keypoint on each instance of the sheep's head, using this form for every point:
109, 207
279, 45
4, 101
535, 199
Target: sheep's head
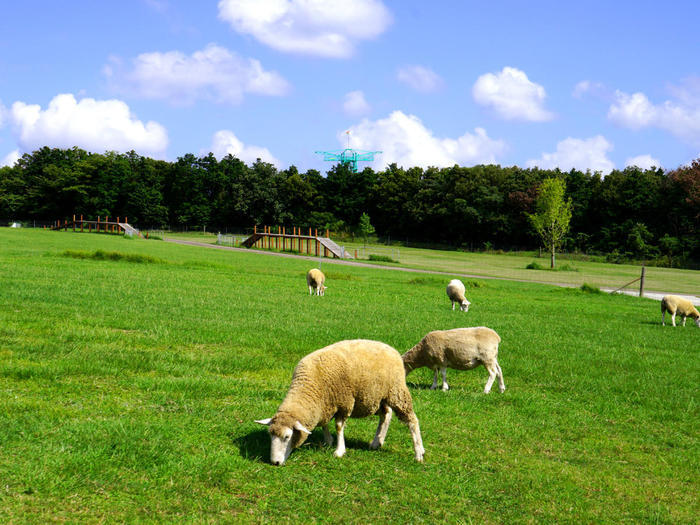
464, 306
285, 435
697, 321
322, 289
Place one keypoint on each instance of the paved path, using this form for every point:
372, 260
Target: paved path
652, 295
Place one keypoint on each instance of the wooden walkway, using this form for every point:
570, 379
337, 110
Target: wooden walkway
98, 226
296, 241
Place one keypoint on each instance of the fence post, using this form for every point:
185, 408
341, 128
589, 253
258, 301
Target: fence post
73, 222
81, 224
641, 282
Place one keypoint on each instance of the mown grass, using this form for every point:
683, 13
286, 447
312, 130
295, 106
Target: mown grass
511, 266
128, 393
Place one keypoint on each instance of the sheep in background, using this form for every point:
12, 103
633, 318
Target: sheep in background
678, 305
315, 280
455, 291
356, 378
461, 349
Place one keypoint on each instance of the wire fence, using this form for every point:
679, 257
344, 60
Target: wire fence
230, 240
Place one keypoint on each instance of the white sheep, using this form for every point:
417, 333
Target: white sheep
455, 291
678, 305
315, 280
356, 378
461, 349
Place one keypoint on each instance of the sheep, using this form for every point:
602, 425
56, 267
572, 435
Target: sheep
461, 349
315, 280
455, 291
355, 378
678, 305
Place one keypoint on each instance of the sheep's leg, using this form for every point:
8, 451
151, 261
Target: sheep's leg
435, 378
403, 406
673, 318
383, 428
311, 290
684, 318
340, 428
327, 438
445, 386
453, 306
418, 449
663, 317
501, 384
493, 372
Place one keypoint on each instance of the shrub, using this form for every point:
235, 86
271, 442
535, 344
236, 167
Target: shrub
381, 258
588, 288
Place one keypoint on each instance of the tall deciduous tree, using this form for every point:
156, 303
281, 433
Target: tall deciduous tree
551, 220
365, 227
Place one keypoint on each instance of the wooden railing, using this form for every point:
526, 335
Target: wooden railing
99, 226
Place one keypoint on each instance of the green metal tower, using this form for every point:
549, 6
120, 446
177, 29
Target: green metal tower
348, 156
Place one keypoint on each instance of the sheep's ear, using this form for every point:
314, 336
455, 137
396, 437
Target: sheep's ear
265, 422
301, 428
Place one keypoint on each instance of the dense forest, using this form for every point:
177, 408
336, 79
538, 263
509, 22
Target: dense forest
639, 214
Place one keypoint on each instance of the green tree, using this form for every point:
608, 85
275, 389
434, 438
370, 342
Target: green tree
365, 227
552, 216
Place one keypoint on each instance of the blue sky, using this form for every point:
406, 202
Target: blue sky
593, 85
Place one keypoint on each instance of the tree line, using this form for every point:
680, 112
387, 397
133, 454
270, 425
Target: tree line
631, 213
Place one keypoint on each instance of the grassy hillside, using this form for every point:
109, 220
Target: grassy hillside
131, 372
513, 266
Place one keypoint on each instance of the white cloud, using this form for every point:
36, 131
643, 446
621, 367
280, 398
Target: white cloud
328, 28
512, 95
404, 139
355, 105
644, 162
420, 78
95, 125
580, 154
680, 117
214, 73
10, 158
225, 142
587, 87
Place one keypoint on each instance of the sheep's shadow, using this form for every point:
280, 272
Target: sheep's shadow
255, 445
418, 386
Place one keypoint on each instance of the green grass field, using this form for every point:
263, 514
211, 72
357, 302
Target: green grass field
131, 372
512, 266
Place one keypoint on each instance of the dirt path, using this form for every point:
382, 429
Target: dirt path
650, 294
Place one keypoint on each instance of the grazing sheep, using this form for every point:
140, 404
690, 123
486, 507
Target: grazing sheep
455, 291
461, 349
355, 378
678, 305
315, 280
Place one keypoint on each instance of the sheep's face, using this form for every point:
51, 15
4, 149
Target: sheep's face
697, 321
281, 444
322, 289
284, 439
464, 306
